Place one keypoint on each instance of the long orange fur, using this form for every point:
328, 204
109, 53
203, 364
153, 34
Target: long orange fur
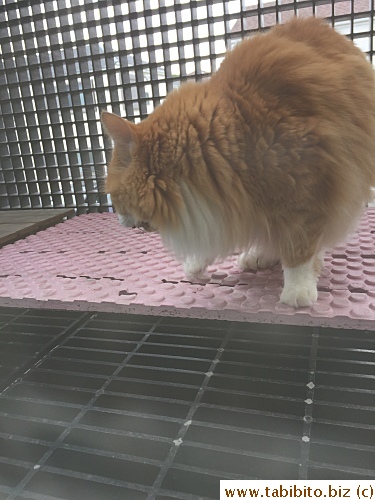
275, 151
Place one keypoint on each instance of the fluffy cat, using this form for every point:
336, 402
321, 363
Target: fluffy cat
273, 156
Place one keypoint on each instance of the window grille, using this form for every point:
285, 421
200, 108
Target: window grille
62, 61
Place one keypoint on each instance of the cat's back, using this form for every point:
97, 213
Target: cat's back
303, 68
302, 84
316, 34
302, 50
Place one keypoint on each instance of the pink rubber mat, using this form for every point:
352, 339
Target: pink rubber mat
93, 263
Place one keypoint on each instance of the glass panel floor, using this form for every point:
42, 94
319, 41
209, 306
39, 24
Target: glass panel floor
106, 406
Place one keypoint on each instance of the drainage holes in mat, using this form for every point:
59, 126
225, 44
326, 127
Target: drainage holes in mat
125, 292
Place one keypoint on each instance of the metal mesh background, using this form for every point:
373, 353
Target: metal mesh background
62, 61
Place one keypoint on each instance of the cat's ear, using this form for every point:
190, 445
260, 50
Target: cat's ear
120, 130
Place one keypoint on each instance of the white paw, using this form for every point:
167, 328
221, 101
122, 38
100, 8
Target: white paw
300, 285
194, 269
301, 295
252, 261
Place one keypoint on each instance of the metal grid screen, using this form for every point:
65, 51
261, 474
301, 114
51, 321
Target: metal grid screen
62, 61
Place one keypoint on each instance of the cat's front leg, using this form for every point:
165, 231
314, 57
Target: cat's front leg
195, 268
300, 288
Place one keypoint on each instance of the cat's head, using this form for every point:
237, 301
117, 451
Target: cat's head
142, 191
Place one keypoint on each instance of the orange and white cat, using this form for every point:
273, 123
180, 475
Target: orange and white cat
273, 156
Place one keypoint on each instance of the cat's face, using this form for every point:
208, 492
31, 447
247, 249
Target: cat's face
127, 181
143, 195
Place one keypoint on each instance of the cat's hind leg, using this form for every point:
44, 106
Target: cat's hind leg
300, 280
302, 260
254, 259
300, 288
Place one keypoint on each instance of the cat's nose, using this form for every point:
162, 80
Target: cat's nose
126, 220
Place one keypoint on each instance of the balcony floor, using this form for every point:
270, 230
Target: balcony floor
104, 405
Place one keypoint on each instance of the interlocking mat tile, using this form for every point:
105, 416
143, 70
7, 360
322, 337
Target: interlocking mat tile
91, 262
